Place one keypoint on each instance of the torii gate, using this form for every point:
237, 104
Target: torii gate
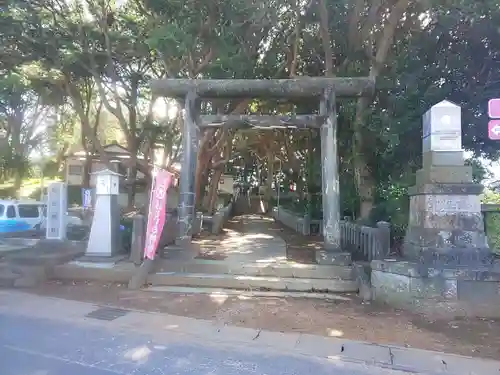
325, 89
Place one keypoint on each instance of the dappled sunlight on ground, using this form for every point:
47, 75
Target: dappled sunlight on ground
334, 332
219, 298
258, 239
270, 261
139, 354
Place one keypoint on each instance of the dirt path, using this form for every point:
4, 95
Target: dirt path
299, 248
351, 319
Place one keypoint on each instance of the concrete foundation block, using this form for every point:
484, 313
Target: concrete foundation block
446, 174
447, 292
443, 158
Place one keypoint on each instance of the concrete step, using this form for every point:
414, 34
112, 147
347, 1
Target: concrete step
224, 293
206, 280
21, 276
7, 276
97, 272
291, 270
325, 257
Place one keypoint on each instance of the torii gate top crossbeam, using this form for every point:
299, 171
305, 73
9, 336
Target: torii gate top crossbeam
255, 88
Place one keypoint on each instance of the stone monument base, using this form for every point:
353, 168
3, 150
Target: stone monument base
439, 292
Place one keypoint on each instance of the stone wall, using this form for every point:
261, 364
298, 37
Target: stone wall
437, 291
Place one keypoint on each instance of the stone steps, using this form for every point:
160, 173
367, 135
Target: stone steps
206, 280
325, 257
224, 293
290, 270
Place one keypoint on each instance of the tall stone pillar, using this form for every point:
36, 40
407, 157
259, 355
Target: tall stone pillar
330, 172
187, 199
445, 224
331, 252
447, 268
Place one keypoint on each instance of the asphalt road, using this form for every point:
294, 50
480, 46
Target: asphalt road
33, 346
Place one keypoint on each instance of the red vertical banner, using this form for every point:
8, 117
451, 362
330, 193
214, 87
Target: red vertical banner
157, 211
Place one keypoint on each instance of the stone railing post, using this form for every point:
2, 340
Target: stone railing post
384, 235
306, 230
138, 238
197, 223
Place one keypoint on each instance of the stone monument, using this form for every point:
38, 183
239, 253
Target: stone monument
105, 236
446, 258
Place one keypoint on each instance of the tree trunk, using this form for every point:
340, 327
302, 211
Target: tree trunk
87, 170
270, 175
214, 186
364, 180
15, 122
365, 183
201, 180
202, 165
132, 180
18, 179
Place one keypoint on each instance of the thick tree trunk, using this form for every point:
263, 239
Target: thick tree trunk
365, 183
18, 179
270, 175
202, 165
15, 122
214, 186
87, 170
132, 181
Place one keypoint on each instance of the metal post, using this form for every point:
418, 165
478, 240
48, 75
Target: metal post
188, 169
330, 172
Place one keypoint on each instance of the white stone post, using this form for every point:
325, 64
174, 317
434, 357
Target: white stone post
105, 236
57, 206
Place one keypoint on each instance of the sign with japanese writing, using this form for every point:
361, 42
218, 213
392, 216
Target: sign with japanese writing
86, 198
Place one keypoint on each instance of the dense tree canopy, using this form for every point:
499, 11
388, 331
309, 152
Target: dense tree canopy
83, 66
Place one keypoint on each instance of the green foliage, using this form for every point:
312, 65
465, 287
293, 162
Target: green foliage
492, 226
55, 55
490, 197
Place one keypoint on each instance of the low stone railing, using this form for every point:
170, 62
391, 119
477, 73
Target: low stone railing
364, 242
301, 224
220, 218
291, 220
